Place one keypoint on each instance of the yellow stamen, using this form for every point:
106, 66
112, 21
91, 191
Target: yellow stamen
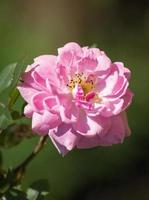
87, 85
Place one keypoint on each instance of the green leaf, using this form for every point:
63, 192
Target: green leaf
5, 118
15, 194
14, 134
32, 194
6, 76
5, 181
16, 115
17, 73
38, 190
13, 98
14, 93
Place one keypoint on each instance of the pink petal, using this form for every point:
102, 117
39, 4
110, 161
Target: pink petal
65, 138
111, 108
71, 47
88, 142
88, 61
120, 86
83, 104
78, 92
127, 73
46, 66
127, 129
68, 115
37, 100
33, 79
67, 110
127, 99
51, 119
116, 133
38, 80
68, 57
89, 126
50, 103
117, 129
109, 83
104, 64
27, 92
28, 110
42, 123
31, 67
38, 126
90, 95
115, 85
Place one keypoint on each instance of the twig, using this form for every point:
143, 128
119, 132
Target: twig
20, 170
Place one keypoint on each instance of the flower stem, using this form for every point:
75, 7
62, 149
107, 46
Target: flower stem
14, 176
20, 170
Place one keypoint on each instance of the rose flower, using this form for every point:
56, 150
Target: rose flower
78, 98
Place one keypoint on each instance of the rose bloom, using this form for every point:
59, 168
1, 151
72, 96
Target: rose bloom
78, 98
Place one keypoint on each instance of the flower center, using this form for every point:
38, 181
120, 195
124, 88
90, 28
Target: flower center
86, 83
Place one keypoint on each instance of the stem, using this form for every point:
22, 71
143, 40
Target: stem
13, 98
19, 171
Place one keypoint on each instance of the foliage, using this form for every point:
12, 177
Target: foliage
32, 193
7, 77
13, 129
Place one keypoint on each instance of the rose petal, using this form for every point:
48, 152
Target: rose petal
116, 133
65, 136
27, 92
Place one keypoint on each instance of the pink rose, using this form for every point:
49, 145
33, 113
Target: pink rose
78, 98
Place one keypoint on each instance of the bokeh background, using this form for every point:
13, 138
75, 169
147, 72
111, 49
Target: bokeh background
29, 28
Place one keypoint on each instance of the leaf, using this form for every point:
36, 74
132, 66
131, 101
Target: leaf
14, 134
17, 73
5, 118
6, 76
9, 78
13, 98
38, 190
15, 194
16, 115
32, 194
14, 93
5, 181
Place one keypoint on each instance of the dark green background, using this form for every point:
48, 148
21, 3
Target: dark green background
29, 28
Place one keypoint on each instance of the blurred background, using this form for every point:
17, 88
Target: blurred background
29, 28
